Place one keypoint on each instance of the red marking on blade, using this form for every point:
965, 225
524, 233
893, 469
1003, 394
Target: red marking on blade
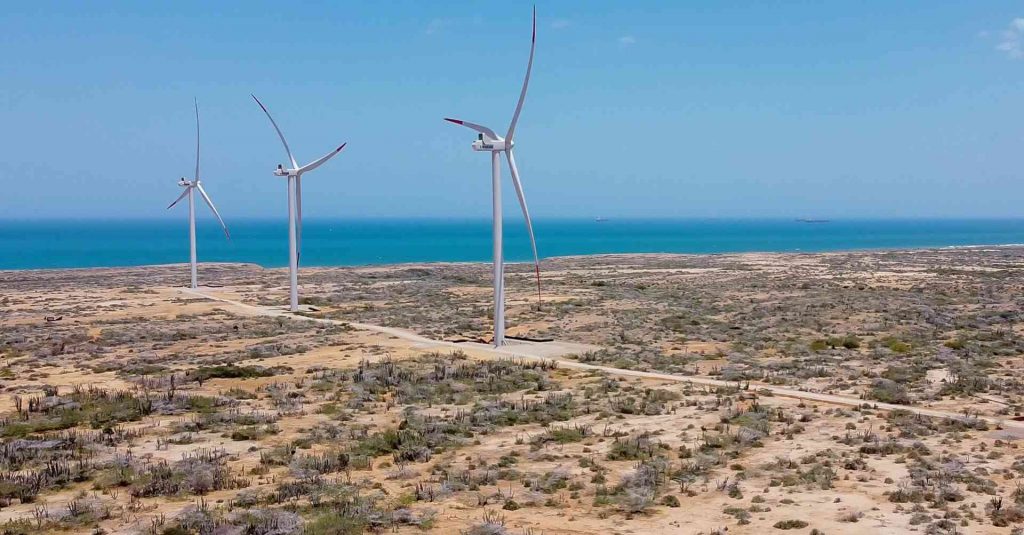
456, 121
341, 147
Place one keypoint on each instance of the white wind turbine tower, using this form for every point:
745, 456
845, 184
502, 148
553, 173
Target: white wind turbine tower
294, 174
488, 141
190, 187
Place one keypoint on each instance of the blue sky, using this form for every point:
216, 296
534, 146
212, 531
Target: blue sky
653, 109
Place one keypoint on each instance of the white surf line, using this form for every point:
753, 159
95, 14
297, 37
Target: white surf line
509, 351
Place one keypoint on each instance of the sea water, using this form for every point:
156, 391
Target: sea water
28, 244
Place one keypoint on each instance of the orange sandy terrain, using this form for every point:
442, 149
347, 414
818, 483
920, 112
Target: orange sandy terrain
833, 393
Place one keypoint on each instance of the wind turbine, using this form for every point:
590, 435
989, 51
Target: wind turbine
294, 174
488, 141
190, 187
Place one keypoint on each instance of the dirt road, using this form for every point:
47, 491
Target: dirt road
558, 350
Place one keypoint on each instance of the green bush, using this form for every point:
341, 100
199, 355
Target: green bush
955, 344
670, 501
229, 372
897, 346
888, 391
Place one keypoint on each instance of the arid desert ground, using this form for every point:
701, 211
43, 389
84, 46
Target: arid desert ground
863, 392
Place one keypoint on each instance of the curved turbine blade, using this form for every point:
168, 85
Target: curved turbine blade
313, 165
482, 129
279, 134
298, 217
214, 208
180, 197
526, 214
197, 139
526, 81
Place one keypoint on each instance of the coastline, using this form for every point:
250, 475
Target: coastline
514, 263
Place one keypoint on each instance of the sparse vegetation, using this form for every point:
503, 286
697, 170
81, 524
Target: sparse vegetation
259, 425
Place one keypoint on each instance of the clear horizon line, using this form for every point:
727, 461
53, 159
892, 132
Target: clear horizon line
609, 218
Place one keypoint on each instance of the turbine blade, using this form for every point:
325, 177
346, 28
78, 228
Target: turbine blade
180, 197
214, 208
279, 134
526, 80
313, 165
482, 129
197, 139
298, 216
526, 214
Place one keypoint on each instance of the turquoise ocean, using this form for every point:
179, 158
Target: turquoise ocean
31, 244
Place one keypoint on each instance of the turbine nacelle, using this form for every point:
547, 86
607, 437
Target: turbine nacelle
483, 144
184, 183
281, 171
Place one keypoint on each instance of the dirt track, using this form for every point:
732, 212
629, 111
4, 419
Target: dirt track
557, 351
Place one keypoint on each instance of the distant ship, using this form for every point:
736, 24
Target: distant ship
600, 219
805, 220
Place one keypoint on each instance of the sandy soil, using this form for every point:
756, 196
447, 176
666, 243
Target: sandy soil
844, 393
